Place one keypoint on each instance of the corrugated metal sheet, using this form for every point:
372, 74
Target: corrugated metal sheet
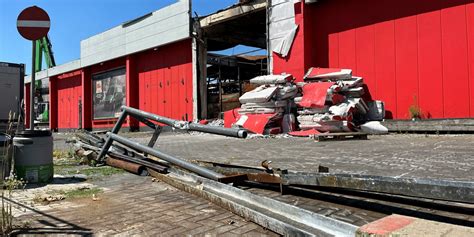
165, 81
169, 24
69, 92
282, 26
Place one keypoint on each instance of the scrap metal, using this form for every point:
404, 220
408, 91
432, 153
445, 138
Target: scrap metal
282, 218
454, 191
279, 217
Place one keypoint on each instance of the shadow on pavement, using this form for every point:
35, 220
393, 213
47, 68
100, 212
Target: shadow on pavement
50, 228
60, 180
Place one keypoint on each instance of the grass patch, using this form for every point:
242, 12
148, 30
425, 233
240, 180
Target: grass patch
101, 171
59, 195
88, 171
80, 193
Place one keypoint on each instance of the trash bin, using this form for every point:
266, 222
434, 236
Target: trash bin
33, 154
6, 151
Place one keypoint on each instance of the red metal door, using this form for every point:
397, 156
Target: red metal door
69, 92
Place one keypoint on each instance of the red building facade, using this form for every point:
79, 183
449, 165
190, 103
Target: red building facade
157, 80
410, 53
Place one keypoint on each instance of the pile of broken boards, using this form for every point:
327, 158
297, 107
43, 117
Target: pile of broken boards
267, 109
329, 100
334, 101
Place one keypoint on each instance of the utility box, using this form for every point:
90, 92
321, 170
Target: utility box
11, 93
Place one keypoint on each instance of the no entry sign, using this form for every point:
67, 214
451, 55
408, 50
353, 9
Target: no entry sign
33, 23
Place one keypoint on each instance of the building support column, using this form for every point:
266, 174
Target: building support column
132, 89
53, 103
86, 81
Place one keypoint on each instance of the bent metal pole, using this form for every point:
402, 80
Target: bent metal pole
176, 161
240, 133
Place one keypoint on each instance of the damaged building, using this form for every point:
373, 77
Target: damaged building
411, 55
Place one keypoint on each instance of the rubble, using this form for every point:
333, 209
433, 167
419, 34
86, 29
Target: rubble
329, 100
267, 109
332, 101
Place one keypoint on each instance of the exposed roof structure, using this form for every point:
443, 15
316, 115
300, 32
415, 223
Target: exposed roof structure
243, 23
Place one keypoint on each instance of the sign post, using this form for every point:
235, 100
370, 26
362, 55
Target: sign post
33, 24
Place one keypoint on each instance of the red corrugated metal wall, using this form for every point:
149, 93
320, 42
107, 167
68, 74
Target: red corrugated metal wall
69, 92
165, 81
409, 52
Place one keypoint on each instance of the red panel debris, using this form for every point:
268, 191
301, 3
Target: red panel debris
230, 117
256, 122
304, 133
314, 94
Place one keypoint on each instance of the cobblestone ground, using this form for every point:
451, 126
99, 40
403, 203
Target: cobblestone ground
448, 157
137, 206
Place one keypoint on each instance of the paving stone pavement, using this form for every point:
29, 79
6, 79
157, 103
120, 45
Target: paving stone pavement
448, 157
419, 156
138, 206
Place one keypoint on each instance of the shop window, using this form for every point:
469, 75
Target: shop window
108, 91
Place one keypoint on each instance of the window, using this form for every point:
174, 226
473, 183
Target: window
108, 91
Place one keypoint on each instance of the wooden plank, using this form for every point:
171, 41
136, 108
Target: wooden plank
340, 136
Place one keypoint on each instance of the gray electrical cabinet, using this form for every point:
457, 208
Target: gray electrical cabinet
11, 92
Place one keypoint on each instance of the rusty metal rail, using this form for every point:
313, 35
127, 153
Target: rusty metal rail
454, 191
282, 218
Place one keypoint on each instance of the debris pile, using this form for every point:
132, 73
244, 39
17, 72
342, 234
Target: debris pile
332, 101
266, 109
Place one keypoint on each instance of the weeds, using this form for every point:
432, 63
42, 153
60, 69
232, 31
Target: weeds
58, 195
11, 182
415, 110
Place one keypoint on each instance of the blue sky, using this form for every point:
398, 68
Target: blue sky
75, 20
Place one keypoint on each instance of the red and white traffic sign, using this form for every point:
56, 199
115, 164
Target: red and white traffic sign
33, 23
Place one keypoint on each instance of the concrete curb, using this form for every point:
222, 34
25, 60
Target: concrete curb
397, 225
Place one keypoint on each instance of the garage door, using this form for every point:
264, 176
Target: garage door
69, 94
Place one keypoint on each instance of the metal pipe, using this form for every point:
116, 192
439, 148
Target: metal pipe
135, 112
176, 161
108, 141
126, 165
32, 89
240, 133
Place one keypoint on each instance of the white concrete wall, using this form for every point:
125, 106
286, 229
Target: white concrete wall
164, 26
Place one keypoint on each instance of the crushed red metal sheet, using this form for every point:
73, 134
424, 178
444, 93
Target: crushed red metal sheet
304, 133
230, 117
324, 73
314, 94
256, 122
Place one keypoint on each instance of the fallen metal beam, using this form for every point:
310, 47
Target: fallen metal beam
176, 161
184, 125
240, 133
455, 191
425, 188
277, 216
